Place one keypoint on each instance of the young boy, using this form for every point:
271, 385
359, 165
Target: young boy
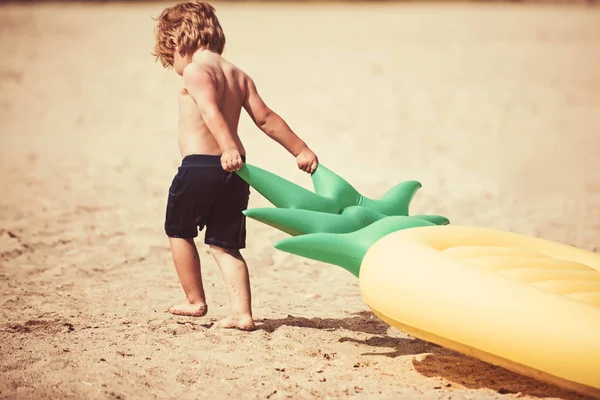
206, 192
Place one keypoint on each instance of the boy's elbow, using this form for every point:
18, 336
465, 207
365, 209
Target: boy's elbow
265, 118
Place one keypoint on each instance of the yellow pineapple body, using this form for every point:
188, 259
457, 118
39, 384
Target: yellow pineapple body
523, 303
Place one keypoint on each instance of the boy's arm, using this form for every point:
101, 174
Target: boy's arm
270, 123
201, 87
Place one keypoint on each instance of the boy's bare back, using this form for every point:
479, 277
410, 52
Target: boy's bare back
210, 81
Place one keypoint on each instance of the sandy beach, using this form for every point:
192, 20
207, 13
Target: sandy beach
495, 109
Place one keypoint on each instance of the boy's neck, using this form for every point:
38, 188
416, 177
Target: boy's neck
202, 53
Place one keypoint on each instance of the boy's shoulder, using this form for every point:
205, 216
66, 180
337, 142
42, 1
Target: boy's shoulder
197, 68
200, 67
196, 76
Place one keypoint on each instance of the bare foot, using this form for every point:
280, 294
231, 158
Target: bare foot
244, 323
186, 309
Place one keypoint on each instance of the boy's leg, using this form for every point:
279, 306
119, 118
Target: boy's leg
191, 195
226, 235
235, 273
187, 263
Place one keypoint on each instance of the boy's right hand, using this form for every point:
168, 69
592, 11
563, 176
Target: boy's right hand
231, 160
307, 161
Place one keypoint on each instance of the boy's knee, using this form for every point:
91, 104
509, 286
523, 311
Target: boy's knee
218, 251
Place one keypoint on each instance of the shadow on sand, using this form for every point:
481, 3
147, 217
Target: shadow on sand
439, 362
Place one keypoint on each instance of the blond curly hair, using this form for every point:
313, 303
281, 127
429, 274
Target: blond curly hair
187, 27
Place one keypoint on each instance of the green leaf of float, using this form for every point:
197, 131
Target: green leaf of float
298, 222
396, 201
283, 193
333, 193
436, 219
346, 249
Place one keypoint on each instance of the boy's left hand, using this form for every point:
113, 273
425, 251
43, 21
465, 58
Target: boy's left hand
231, 160
307, 161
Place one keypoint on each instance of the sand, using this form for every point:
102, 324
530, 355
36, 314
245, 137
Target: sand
494, 108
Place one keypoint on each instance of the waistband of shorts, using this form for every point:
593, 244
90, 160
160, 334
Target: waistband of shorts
203, 160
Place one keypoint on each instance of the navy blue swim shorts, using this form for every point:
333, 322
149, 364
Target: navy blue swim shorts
203, 194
